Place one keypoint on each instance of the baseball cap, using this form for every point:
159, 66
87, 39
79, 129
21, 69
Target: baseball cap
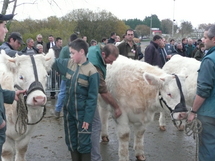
6, 17
16, 36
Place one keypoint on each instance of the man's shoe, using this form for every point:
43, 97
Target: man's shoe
57, 114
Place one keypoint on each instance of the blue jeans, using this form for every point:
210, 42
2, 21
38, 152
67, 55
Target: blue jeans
61, 96
207, 139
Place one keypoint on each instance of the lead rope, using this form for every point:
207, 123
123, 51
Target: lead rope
194, 128
22, 116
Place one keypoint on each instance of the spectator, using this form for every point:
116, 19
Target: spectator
30, 49
123, 39
51, 43
40, 49
170, 47
112, 38
152, 54
64, 54
139, 51
179, 49
184, 42
12, 45
55, 76
39, 40
163, 53
128, 48
200, 52
189, 47
103, 42
93, 42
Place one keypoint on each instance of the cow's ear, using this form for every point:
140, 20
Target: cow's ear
49, 59
152, 79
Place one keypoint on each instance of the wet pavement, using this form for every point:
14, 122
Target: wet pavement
47, 142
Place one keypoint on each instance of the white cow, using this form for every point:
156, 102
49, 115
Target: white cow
189, 66
19, 71
136, 86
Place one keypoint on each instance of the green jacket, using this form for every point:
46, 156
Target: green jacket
64, 54
6, 96
206, 84
95, 57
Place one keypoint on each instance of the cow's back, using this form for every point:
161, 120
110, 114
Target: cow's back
125, 82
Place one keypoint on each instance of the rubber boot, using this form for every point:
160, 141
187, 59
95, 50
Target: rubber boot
86, 157
76, 156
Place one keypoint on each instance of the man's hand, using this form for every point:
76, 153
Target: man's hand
85, 125
117, 112
17, 93
191, 117
3, 125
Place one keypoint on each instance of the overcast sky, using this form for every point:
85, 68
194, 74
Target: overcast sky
196, 12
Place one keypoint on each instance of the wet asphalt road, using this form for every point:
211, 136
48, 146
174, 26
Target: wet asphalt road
47, 142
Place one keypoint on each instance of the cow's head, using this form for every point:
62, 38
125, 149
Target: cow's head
25, 76
170, 93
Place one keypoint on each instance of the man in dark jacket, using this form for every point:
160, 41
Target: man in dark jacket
128, 48
152, 55
12, 45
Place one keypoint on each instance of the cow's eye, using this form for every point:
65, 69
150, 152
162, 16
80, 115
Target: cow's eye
21, 77
169, 94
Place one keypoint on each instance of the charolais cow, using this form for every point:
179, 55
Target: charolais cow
137, 87
190, 67
30, 73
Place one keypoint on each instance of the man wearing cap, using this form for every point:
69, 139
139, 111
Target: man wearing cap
13, 43
6, 96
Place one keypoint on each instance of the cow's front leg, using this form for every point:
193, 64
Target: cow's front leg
139, 130
21, 149
8, 150
162, 121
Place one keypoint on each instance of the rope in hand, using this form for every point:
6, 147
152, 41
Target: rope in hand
22, 116
194, 128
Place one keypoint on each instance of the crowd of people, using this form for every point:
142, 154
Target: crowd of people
81, 68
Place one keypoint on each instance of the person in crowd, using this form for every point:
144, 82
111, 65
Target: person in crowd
100, 58
203, 105
84, 38
93, 42
64, 54
170, 47
189, 47
179, 49
117, 39
152, 54
40, 49
128, 48
112, 38
163, 53
39, 40
55, 76
123, 39
51, 43
139, 50
184, 42
30, 49
6, 96
13, 44
81, 99
200, 52
58, 46
103, 42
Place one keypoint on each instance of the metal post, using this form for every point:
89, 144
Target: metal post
151, 28
173, 18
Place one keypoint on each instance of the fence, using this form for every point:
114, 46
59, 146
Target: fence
53, 82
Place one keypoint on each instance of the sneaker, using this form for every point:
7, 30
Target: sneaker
57, 114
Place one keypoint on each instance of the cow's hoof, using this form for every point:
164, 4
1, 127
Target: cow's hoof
162, 128
105, 139
181, 128
141, 158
